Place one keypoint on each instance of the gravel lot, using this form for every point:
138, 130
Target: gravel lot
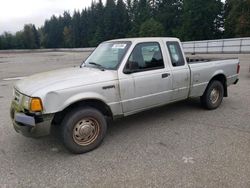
179, 145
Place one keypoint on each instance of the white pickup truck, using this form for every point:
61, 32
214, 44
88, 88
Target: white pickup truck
121, 77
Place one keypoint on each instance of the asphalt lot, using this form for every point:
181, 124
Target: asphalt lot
179, 145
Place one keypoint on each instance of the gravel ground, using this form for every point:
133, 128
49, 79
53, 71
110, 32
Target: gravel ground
178, 145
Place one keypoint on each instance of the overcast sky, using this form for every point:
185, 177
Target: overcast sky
15, 13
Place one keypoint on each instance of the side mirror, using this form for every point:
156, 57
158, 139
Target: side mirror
131, 67
128, 71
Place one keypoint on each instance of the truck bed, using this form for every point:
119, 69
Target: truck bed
197, 59
203, 69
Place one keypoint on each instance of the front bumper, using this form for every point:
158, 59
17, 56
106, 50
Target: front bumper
30, 125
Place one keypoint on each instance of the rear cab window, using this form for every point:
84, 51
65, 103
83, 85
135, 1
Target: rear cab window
175, 53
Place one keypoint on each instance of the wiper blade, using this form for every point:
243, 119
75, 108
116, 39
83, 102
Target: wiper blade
97, 65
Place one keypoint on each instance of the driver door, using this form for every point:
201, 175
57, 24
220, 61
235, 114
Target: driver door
146, 81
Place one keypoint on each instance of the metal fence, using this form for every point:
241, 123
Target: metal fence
234, 45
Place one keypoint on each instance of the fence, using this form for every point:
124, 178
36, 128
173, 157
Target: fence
234, 45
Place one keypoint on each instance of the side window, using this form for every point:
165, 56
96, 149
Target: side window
175, 54
145, 56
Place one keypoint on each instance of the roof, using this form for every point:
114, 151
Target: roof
145, 39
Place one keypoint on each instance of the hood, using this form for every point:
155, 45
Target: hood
64, 78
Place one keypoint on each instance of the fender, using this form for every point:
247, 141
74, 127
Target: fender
217, 72
54, 102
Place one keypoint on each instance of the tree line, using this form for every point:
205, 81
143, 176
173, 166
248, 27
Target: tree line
185, 19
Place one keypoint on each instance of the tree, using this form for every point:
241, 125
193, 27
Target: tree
151, 28
154, 6
76, 29
169, 14
141, 13
110, 20
199, 19
67, 37
53, 32
1, 42
85, 33
28, 37
36, 36
19, 40
186, 19
237, 18
7, 41
123, 23
96, 25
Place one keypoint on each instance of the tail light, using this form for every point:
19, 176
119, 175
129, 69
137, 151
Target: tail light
238, 68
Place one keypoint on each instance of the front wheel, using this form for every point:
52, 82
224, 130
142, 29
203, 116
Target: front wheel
83, 129
213, 95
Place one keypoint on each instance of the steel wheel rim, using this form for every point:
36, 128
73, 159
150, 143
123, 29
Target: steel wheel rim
86, 131
214, 95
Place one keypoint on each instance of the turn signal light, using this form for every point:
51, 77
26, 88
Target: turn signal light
36, 105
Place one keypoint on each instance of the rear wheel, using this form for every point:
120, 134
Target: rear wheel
213, 95
83, 129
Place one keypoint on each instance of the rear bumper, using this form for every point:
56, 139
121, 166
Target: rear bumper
31, 125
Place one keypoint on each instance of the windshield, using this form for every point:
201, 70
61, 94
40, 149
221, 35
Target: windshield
108, 55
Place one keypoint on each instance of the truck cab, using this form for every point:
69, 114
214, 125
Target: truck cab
154, 72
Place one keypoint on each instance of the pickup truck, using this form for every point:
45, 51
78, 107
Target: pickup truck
121, 77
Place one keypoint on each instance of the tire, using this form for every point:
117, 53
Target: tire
83, 129
213, 95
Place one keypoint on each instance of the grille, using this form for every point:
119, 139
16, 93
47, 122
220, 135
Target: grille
17, 97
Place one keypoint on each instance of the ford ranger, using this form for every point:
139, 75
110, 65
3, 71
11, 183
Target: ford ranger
121, 77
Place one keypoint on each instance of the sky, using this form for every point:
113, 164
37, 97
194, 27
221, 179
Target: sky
15, 13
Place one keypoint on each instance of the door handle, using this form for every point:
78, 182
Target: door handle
165, 75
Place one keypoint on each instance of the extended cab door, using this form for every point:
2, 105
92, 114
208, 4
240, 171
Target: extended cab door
180, 71
145, 80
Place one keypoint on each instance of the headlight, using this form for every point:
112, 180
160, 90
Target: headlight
26, 102
32, 104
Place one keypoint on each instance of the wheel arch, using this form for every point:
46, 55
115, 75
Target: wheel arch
221, 78
94, 103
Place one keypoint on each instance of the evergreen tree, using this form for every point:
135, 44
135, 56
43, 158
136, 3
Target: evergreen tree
123, 22
151, 28
8, 41
141, 13
110, 20
67, 37
97, 33
199, 19
36, 37
30, 37
237, 18
53, 32
85, 28
187, 19
76, 29
19, 40
1, 42
169, 14
154, 6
